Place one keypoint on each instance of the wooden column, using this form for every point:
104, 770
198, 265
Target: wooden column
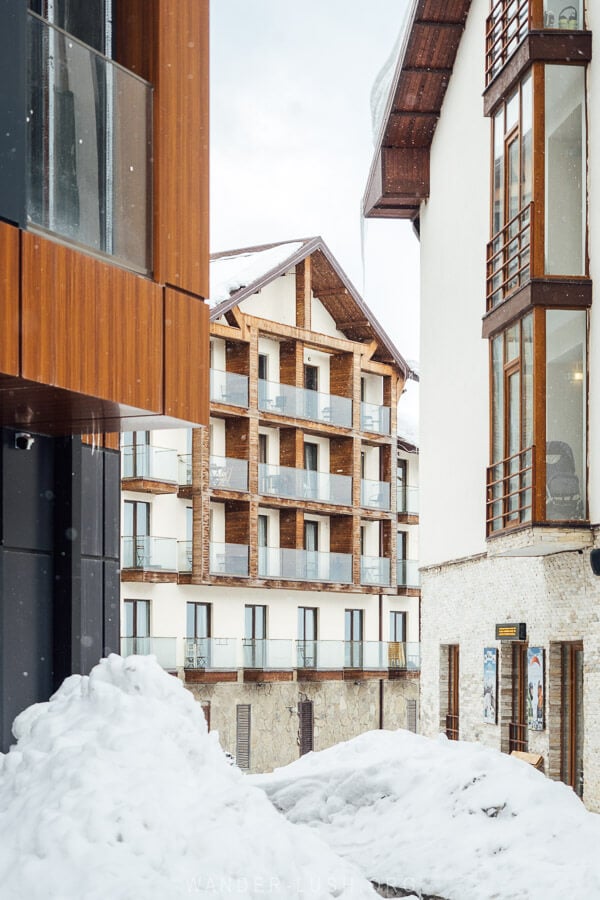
303, 294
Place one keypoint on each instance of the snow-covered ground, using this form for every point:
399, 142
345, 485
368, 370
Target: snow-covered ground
449, 818
116, 791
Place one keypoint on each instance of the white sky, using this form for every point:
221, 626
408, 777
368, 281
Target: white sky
291, 141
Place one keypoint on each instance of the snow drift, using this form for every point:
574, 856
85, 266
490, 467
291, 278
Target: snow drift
449, 818
116, 790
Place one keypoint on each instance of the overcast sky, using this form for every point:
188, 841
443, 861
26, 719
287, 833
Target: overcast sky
292, 143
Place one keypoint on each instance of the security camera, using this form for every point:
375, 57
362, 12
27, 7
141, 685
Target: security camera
24, 441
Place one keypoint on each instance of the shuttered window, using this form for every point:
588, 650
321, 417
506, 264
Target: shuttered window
206, 711
411, 715
242, 735
306, 720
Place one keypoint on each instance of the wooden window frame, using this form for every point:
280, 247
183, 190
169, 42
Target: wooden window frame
196, 604
517, 727
453, 697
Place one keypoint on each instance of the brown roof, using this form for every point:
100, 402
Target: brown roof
399, 176
332, 287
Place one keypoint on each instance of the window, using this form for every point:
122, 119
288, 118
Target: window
307, 637
136, 529
306, 726
242, 735
198, 620
136, 626
353, 633
262, 448
311, 547
401, 484
397, 626
311, 378
255, 632
135, 454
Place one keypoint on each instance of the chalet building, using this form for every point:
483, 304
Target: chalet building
104, 269
270, 559
489, 146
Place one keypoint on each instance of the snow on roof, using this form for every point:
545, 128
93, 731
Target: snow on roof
383, 81
229, 273
408, 410
450, 818
116, 790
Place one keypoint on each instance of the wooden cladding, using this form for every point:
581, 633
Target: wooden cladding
186, 365
9, 299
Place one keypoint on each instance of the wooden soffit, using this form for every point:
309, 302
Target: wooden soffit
399, 176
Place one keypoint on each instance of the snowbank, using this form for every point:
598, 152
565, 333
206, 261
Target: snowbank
450, 818
231, 272
116, 790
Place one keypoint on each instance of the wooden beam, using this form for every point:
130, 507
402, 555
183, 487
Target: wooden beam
303, 293
228, 332
240, 319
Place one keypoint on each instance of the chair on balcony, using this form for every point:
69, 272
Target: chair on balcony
563, 498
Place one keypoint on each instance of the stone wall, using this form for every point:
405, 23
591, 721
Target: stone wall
342, 710
558, 598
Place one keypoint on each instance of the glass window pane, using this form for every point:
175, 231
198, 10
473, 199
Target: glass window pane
512, 343
498, 398
558, 14
129, 610
527, 387
512, 111
565, 143
498, 211
190, 629
260, 622
249, 622
566, 412
143, 618
526, 139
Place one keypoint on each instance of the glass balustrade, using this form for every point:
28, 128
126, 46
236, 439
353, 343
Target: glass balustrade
164, 648
229, 559
374, 494
184, 469
374, 570
304, 565
299, 403
89, 147
407, 499
229, 388
408, 573
211, 653
228, 473
404, 656
268, 653
324, 655
147, 461
375, 419
184, 556
304, 484
146, 552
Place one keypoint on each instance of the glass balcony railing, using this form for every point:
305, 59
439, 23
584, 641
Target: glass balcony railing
229, 388
407, 499
149, 553
304, 565
163, 648
211, 653
184, 556
374, 494
304, 484
408, 573
365, 655
320, 654
404, 656
298, 403
228, 474
374, 570
184, 469
89, 147
229, 559
147, 461
268, 653
375, 419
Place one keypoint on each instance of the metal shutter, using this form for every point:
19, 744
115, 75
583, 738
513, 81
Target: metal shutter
306, 720
242, 735
411, 715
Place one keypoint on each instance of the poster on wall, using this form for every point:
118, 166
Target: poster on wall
490, 685
535, 688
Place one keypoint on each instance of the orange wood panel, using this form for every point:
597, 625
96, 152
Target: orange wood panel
9, 299
135, 36
186, 357
90, 327
181, 145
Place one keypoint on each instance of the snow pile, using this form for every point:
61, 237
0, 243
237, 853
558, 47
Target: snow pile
454, 819
230, 273
116, 790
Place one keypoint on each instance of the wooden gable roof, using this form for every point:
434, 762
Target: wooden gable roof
399, 176
330, 285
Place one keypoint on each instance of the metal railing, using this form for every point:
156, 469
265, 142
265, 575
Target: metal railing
304, 565
268, 653
407, 573
211, 653
304, 484
149, 553
228, 473
164, 648
148, 461
375, 570
374, 418
299, 403
407, 499
509, 256
374, 494
184, 556
89, 147
228, 559
404, 656
184, 469
228, 388
506, 26
510, 490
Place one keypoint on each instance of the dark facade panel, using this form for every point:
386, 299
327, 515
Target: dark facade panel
27, 478
13, 106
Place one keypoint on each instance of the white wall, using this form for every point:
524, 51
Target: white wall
371, 466
323, 464
276, 301
454, 357
371, 541
373, 388
321, 321
217, 437
272, 444
270, 349
218, 354
321, 360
